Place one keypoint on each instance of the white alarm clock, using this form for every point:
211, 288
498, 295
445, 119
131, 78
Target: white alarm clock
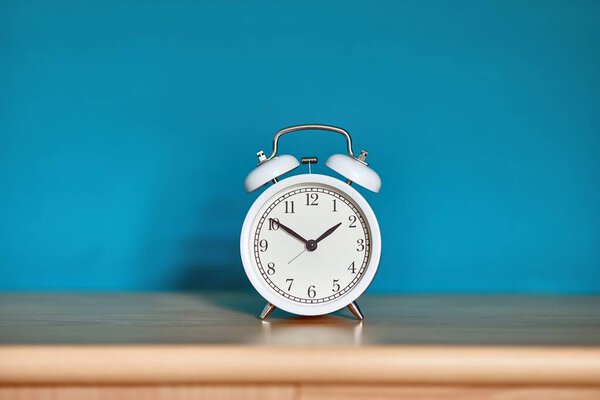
310, 243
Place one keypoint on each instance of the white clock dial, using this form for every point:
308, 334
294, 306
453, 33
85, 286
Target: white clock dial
311, 243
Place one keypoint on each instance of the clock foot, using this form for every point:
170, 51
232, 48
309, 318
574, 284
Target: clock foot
355, 310
269, 308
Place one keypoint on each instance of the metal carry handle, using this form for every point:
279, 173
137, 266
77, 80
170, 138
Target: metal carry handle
316, 127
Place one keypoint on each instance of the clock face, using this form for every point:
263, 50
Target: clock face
310, 243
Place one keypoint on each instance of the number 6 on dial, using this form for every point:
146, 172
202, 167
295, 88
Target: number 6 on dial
310, 244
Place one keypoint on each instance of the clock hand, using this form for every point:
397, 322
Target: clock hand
327, 232
288, 230
302, 252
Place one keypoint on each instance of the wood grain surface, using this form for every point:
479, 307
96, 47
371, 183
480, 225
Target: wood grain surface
230, 319
241, 364
166, 392
198, 346
387, 392
319, 392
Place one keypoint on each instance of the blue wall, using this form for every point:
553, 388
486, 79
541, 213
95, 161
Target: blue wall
127, 128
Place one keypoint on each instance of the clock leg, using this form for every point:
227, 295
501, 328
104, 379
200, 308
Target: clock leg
355, 310
269, 308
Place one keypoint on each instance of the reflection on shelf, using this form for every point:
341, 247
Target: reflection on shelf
317, 331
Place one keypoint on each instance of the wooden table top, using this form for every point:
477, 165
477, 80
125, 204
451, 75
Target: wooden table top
178, 337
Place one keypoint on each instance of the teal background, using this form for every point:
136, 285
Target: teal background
127, 128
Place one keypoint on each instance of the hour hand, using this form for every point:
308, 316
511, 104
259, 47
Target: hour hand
288, 230
327, 232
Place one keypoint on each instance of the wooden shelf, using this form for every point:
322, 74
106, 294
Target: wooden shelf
189, 345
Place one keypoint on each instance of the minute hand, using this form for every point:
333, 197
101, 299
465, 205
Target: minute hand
288, 230
327, 232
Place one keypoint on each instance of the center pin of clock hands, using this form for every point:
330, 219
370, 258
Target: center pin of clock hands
310, 245
323, 236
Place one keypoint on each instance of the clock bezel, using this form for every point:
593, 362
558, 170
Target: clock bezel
246, 239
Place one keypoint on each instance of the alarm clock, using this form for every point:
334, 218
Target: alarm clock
310, 243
